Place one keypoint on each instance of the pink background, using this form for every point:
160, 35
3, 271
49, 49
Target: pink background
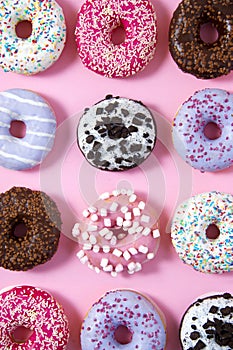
164, 179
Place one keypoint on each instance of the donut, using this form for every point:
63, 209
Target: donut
202, 59
208, 324
117, 234
43, 47
36, 310
142, 319
96, 21
116, 134
30, 228
201, 232
31, 109
205, 107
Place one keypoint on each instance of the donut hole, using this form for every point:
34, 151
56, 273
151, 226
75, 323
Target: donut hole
123, 335
209, 33
212, 231
212, 131
118, 35
18, 129
19, 230
21, 334
23, 29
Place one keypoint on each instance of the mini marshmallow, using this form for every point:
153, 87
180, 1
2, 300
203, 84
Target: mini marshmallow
94, 217
104, 262
126, 255
92, 239
85, 235
146, 231
117, 252
86, 213
143, 249
145, 218
141, 205
80, 254
156, 233
103, 232
133, 251
103, 212
132, 198
104, 195
136, 212
119, 268
107, 222
113, 206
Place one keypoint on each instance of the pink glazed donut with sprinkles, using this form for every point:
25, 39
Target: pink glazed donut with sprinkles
97, 19
205, 107
35, 310
202, 232
143, 322
117, 234
43, 47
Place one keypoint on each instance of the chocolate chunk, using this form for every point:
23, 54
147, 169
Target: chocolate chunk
108, 97
145, 135
195, 335
99, 110
110, 108
119, 160
213, 309
96, 145
140, 115
111, 148
116, 120
132, 128
135, 148
101, 131
227, 296
124, 112
200, 345
137, 121
193, 326
226, 311
90, 155
90, 139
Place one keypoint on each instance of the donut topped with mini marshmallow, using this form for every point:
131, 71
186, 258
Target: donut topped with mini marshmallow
118, 233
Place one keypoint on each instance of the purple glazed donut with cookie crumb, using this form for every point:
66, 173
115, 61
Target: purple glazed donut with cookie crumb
205, 107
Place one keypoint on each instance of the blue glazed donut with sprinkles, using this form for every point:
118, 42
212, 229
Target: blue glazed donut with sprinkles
32, 110
203, 130
202, 232
42, 47
124, 319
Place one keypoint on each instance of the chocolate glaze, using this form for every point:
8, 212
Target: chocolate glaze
38, 212
189, 51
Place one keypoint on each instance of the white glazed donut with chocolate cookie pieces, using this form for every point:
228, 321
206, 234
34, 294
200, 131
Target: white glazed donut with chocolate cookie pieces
116, 134
118, 233
208, 324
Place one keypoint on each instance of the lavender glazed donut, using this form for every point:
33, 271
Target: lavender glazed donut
116, 134
40, 121
119, 233
124, 308
202, 231
36, 310
207, 106
208, 324
96, 21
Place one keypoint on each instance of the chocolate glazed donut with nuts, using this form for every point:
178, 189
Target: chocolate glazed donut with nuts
192, 54
30, 226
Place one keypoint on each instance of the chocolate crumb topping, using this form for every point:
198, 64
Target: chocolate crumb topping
38, 213
189, 51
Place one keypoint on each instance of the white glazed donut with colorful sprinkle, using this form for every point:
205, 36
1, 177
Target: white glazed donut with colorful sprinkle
142, 319
96, 21
207, 106
202, 232
30, 108
43, 47
118, 233
36, 310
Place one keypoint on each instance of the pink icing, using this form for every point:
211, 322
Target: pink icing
33, 309
119, 233
96, 21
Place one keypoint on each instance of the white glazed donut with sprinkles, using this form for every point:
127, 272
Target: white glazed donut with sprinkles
36, 310
207, 106
96, 21
43, 47
118, 233
202, 232
30, 108
141, 318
